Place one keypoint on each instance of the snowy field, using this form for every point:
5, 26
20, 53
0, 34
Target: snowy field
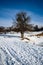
15, 51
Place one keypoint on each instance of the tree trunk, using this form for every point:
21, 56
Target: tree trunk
22, 35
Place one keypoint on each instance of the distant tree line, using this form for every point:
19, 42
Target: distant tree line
36, 28
9, 29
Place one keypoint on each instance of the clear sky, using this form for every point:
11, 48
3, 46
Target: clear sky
9, 8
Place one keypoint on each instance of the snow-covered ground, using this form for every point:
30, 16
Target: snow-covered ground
15, 51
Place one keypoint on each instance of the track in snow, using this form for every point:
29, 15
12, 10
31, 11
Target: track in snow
15, 52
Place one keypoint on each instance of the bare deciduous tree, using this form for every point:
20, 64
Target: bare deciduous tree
22, 22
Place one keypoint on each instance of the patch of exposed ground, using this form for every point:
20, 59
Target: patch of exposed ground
41, 34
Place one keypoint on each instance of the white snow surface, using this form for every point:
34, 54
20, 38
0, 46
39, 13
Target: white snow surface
15, 51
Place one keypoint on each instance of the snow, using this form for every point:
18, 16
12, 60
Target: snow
15, 51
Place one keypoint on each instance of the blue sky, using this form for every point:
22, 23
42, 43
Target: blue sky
9, 8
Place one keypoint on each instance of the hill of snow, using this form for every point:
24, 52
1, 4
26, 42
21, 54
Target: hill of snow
14, 51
